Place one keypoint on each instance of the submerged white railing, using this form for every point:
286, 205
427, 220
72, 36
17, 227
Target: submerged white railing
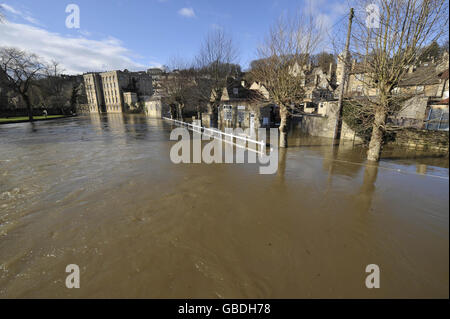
199, 128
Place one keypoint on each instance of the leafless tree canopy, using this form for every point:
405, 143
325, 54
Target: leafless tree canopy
282, 58
21, 70
199, 84
217, 55
216, 61
405, 28
177, 86
386, 51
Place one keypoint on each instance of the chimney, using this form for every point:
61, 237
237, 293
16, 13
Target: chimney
317, 79
330, 70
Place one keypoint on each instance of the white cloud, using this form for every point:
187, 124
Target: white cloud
187, 12
156, 64
76, 54
18, 13
326, 19
9, 9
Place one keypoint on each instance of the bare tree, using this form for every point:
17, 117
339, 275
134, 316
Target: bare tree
386, 47
215, 62
284, 56
323, 60
75, 95
176, 86
21, 70
52, 86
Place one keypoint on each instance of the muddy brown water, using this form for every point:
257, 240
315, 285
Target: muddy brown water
102, 193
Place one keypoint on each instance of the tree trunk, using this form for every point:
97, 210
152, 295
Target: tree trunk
283, 127
376, 140
180, 112
172, 111
29, 107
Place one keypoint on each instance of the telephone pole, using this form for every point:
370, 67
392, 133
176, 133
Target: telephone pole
338, 127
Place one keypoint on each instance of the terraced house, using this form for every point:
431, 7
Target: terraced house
424, 89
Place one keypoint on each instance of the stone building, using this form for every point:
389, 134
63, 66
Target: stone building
422, 87
319, 85
94, 92
105, 91
155, 107
427, 87
245, 107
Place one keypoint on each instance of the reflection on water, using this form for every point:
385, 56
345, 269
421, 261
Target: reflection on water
101, 192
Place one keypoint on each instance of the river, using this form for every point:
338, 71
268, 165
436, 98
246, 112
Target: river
101, 192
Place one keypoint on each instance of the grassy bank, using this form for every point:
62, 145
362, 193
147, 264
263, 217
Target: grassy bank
5, 120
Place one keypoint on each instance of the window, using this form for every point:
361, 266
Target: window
235, 91
227, 113
240, 116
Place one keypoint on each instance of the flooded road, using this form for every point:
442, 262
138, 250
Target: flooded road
102, 193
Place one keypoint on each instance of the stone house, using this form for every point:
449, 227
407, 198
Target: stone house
246, 107
319, 85
421, 87
427, 87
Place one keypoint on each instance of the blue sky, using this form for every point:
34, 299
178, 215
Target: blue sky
138, 34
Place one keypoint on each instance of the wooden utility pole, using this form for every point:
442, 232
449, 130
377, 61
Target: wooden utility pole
337, 129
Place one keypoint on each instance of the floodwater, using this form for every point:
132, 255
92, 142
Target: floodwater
101, 192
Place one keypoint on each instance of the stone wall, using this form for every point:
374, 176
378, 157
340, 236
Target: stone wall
412, 114
155, 108
324, 125
421, 139
206, 119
